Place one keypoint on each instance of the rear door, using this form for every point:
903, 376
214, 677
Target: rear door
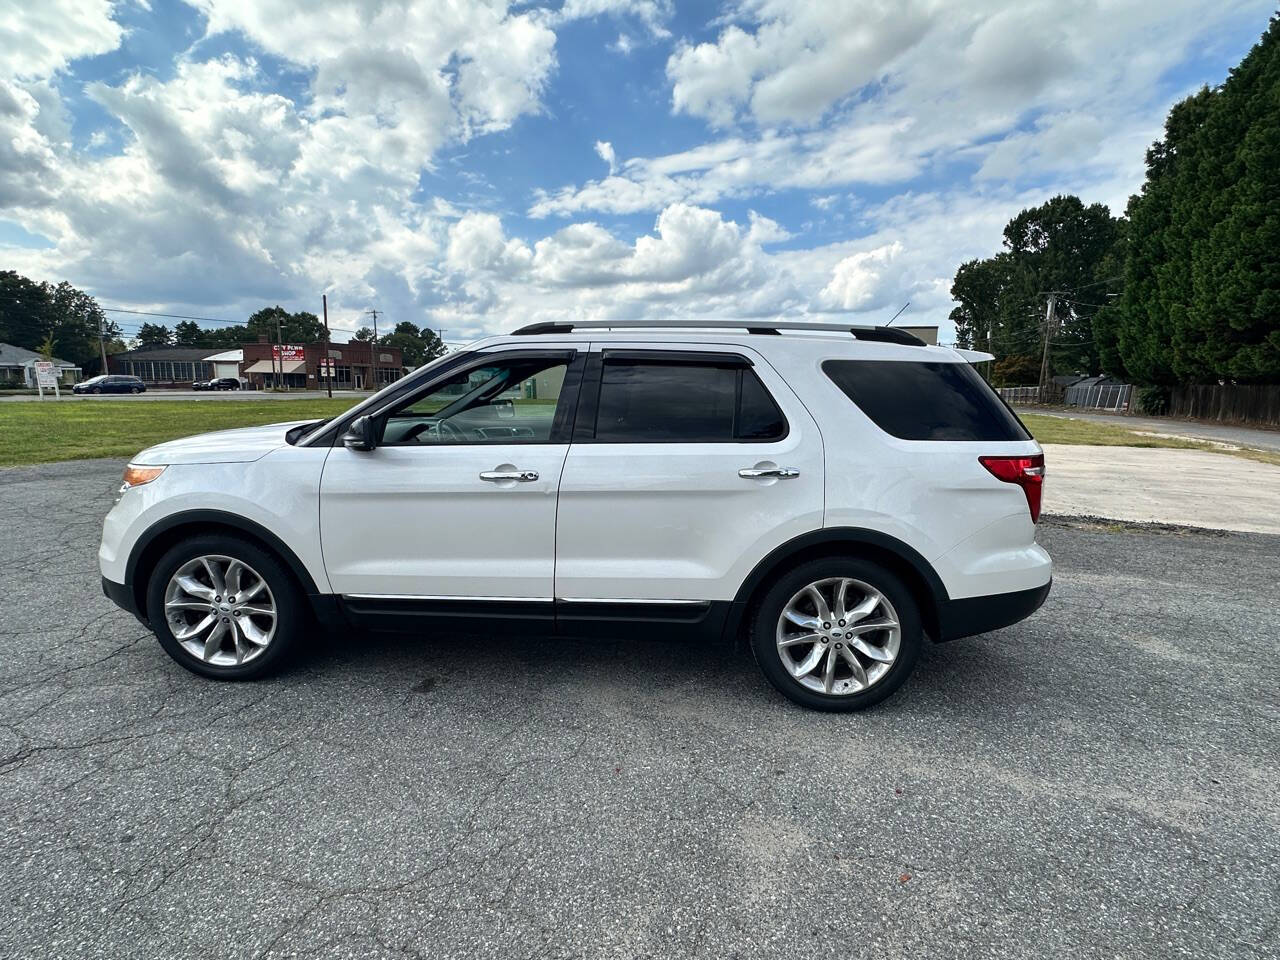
687, 468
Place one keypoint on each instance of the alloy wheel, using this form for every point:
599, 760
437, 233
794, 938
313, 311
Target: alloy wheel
838, 636
220, 610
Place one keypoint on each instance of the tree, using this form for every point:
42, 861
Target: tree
187, 333
302, 327
1061, 245
47, 346
153, 335
1201, 299
1232, 326
363, 335
978, 287
31, 312
1016, 370
25, 311
416, 346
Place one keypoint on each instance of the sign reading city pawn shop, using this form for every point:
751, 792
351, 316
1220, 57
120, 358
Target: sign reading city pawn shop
287, 352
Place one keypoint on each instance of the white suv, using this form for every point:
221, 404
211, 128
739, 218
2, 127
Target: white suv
833, 494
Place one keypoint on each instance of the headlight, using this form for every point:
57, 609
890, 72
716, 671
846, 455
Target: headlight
136, 476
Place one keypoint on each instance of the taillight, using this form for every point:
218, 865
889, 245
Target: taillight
1026, 472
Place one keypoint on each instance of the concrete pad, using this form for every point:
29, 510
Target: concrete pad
1160, 485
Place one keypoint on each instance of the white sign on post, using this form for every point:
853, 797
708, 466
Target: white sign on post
46, 376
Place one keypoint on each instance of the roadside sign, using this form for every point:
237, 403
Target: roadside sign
46, 376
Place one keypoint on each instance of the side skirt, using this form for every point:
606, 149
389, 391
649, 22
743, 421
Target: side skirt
606, 619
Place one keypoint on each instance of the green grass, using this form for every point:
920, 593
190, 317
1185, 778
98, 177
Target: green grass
1062, 430
42, 431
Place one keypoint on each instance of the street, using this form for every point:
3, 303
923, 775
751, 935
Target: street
1099, 780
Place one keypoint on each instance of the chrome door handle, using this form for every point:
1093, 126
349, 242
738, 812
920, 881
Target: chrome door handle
520, 476
756, 473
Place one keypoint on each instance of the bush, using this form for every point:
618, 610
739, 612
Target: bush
1154, 400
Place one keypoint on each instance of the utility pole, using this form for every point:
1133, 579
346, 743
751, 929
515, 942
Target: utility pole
373, 349
327, 362
102, 344
280, 352
1050, 322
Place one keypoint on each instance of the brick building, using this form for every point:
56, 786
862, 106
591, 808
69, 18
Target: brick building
302, 366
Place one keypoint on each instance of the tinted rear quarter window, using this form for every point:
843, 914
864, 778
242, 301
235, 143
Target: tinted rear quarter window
923, 400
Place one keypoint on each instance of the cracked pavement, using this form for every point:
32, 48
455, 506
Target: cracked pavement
1100, 780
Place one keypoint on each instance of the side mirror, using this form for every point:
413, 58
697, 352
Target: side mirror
361, 434
505, 409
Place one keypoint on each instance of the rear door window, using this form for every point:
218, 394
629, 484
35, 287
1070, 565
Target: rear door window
914, 400
651, 401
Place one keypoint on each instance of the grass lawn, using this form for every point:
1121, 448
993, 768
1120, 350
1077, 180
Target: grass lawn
1061, 430
43, 431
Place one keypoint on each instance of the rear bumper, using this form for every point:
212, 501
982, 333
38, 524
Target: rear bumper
963, 618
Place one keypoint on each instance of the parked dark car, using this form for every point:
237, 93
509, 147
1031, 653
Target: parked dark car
112, 383
217, 383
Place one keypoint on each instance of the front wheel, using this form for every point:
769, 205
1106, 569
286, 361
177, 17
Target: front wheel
224, 608
136, 390
839, 634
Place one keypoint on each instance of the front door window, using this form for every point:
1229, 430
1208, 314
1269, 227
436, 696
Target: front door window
511, 401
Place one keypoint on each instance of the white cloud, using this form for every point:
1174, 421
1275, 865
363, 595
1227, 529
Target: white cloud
604, 150
224, 193
652, 13
477, 244
765, 231
859, 279
400, 62
41, 37
800, 61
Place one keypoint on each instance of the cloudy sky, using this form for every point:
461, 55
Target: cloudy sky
471, 165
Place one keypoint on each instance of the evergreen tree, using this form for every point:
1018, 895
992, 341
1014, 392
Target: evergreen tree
153, 335
1201, 299
1232, 328
187, 333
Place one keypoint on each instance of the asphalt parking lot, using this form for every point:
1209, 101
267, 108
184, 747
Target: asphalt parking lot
1098, 781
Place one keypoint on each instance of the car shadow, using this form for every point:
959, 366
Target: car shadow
961, 675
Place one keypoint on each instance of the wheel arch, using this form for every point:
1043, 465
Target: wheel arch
162, 535
896, 556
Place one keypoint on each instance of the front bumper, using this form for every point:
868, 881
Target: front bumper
965, 617
121, 594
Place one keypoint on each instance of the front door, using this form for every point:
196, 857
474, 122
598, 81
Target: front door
455, 508
687, 468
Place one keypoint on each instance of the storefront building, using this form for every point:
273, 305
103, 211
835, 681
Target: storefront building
353, 366
163, 366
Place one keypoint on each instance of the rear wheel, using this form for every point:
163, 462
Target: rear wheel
840, 634
224, 608
96, 390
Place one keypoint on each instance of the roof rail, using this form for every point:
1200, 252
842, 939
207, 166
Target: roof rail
874, 334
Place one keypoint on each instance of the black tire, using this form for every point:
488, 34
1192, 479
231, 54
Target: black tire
96, 390
135, 390
765, 623
291, 610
